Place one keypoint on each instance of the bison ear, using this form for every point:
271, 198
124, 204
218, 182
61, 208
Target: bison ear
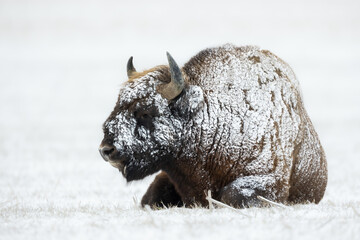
172, 89
190, 102
130, 67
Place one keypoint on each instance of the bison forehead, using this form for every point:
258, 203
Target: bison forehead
144, 87
136, 95
139, 97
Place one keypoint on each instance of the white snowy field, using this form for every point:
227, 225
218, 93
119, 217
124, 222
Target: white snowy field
62, 64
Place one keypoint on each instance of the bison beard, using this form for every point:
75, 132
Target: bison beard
231, 121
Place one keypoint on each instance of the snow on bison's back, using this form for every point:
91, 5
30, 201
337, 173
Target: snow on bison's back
231, 121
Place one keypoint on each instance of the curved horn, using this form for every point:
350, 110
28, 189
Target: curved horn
130, 67
172, 89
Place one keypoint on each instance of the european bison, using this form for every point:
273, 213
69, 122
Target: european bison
231, 121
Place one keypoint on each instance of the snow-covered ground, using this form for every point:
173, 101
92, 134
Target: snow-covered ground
62, 64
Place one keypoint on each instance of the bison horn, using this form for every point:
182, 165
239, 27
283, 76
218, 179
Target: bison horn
130, 67
172, 89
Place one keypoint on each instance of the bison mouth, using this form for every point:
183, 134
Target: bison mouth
120, 162
112, 156
119, 165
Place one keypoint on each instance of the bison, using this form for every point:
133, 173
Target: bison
231, 121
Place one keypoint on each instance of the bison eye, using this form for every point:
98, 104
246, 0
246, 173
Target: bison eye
144, 119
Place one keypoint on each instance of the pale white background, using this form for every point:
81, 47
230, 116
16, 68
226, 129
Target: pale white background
62, 64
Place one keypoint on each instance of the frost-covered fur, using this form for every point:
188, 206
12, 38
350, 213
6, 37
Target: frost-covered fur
239, 129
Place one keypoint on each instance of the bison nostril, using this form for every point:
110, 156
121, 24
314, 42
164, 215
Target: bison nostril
106, 152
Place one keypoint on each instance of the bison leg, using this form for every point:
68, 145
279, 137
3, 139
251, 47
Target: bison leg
244, 191
161, 192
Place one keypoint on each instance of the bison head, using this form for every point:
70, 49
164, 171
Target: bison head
145, 130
